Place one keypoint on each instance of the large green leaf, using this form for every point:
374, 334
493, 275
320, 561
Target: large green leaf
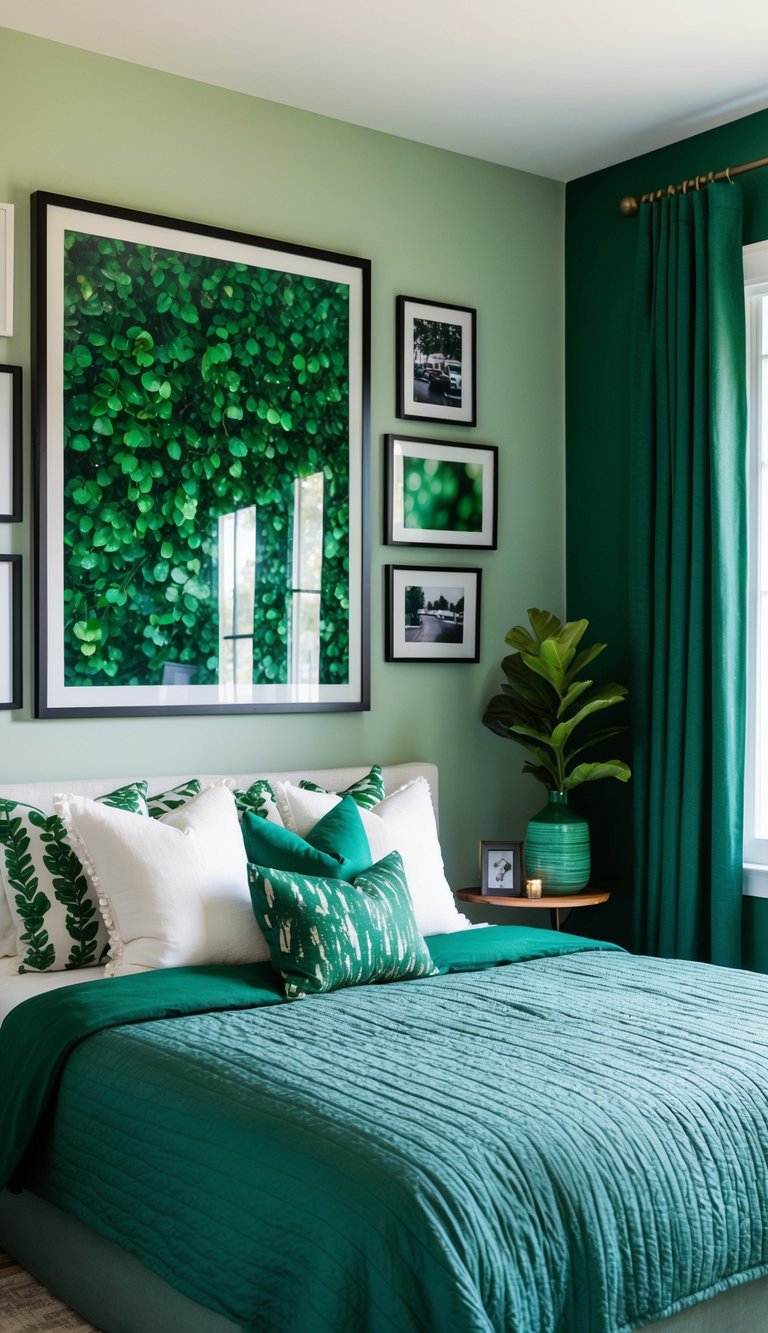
575, 692
583, 659
544, 623
530, 686
612, 768
519, 638
609, 696
569, 637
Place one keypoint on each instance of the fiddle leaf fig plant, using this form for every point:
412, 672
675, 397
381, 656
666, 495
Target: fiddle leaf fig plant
544, 702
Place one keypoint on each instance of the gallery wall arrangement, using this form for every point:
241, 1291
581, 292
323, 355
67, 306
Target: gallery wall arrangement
437, 492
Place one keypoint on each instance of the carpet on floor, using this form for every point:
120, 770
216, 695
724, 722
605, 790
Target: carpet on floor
27, 1307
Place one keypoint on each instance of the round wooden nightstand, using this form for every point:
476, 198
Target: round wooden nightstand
555, 904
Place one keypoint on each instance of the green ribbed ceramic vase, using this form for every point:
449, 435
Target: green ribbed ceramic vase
557, 847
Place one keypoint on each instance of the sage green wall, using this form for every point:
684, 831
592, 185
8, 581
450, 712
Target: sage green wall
435, 224
600, 251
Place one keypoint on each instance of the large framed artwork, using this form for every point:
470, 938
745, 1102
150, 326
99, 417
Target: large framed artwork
431, 614
440, 493
202, 420
436, 361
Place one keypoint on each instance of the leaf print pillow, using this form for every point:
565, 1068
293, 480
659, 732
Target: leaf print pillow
53, 904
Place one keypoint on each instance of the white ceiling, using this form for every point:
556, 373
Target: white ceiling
558, 87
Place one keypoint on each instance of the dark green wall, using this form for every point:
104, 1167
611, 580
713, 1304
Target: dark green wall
599, 258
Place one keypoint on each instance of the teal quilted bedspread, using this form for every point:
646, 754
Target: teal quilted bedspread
567, 1144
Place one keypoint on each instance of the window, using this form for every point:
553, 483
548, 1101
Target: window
307, 572
238, 568
237, 590
756, 784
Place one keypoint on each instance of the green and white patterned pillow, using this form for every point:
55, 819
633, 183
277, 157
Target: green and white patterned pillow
53, 905
326, 933
366, 792
259, 799
165, 801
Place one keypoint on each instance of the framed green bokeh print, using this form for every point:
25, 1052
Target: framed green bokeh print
201, 428
438, 493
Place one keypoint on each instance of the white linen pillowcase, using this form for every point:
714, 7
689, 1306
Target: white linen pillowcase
173, 891
403, 822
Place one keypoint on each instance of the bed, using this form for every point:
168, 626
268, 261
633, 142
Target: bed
547, 1135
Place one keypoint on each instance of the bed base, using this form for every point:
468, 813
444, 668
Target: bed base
117, 1294
104, 1283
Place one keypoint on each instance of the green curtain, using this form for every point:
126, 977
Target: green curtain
688, 575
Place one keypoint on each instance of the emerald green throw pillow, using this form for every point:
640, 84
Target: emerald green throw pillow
327, 933
337, 846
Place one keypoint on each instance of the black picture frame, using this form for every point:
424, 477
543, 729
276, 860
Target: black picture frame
458, 484
501, 869
271, 358
10, 632
436, 376
10, 444
430, 632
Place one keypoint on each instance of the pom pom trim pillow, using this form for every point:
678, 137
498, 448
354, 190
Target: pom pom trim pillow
403, 822
325, 933
173, 891
53, 905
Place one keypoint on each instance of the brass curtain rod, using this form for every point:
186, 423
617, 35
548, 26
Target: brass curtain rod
630, 204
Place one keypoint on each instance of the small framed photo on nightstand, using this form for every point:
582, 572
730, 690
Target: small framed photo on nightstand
501, 869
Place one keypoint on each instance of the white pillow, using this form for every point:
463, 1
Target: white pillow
173, 891
403, 822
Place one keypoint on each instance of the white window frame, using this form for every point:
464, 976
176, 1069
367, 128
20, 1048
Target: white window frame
756, 767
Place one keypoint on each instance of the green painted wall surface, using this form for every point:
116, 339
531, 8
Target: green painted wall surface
600, 255
436, 225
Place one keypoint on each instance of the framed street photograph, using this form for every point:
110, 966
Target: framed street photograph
435, 361
439, 493
202, 418
432, 615
10, 444
10, 631
501, 869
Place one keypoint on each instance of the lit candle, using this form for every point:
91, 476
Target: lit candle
533, 888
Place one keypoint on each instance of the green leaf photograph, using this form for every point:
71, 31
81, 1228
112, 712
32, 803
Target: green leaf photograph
205, 457
439, 493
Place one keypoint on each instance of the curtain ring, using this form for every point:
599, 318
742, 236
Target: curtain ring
671, 191
685, 186
710, 177
698, 183
728, 175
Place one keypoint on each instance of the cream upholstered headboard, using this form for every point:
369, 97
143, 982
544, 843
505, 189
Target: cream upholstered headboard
41, 794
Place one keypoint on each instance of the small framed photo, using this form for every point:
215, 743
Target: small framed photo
436, 361
500, 869
10, 631
10, 444
438, 493
432, 615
